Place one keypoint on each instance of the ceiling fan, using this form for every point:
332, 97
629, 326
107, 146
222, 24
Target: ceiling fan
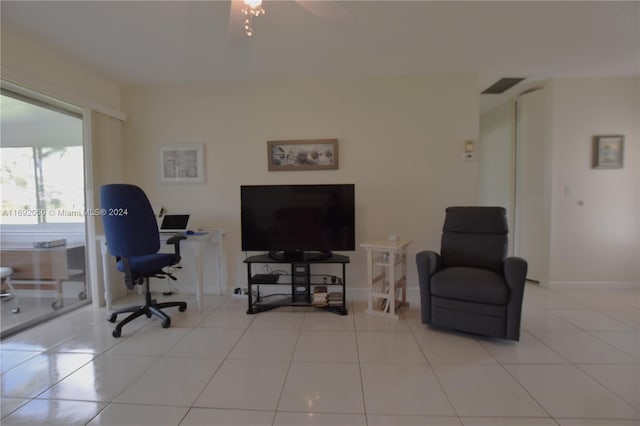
243, 12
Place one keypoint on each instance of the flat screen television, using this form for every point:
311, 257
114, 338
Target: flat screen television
298, 222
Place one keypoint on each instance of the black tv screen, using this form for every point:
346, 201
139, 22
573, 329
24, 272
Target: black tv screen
291, 221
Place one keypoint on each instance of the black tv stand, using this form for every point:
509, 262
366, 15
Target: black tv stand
302, 287
299, 255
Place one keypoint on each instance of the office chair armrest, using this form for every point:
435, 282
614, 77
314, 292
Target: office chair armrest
175, 240
129, 279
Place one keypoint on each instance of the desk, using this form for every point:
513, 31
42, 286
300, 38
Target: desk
57, 264
194, 245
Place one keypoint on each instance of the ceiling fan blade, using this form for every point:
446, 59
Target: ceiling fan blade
327, 9
235, 30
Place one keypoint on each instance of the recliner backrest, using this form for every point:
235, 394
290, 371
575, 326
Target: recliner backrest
475, 237
130, 225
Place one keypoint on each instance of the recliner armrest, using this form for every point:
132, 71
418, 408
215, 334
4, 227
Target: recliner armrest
515, 272
428, 263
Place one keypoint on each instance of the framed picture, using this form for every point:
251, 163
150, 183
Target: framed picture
608, 152
310, 154
183, 163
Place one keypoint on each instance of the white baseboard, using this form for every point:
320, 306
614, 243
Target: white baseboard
357, 294
592, 285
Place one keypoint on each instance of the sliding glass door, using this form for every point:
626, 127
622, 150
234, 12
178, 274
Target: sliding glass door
42, 222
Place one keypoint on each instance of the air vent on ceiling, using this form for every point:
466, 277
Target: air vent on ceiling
502, 85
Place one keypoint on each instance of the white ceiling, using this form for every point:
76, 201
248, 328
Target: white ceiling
149, 43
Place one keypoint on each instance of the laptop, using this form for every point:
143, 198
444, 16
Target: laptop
174, 223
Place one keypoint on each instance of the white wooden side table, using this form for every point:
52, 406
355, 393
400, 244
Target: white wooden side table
386, 276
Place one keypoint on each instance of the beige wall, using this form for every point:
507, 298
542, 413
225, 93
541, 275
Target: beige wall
41, 67
401, 141
596, 242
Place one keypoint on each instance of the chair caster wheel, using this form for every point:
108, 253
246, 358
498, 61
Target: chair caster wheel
116, 333
182, 308
148, 315
56, 305
82, 295
112, 318
166, 323
16, 310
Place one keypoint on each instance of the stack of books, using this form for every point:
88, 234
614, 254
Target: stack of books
335, 298
319, 296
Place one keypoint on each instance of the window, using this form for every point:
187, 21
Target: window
41, 161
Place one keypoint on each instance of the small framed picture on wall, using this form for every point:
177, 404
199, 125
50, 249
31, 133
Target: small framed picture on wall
182, 163
309, 154
608, 152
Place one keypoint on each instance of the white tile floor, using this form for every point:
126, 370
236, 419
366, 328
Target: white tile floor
31, 308
577, 363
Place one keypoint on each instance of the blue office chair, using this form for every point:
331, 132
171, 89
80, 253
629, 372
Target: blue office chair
132, 237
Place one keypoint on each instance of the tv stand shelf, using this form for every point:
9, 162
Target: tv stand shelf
300, 284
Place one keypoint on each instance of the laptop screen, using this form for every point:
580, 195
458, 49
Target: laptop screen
174, 223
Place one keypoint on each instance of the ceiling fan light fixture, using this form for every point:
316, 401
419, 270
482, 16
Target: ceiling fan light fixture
250, 9
252, 3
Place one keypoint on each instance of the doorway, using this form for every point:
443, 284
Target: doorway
531, 173
513, 174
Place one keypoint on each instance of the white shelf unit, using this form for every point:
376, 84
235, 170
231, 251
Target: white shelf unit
386, 276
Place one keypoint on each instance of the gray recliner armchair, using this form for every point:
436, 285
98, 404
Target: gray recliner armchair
472, 285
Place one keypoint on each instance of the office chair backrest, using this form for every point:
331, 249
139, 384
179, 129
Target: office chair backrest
129, 222
475, 237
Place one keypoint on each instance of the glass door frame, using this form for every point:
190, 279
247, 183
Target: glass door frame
91, 281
